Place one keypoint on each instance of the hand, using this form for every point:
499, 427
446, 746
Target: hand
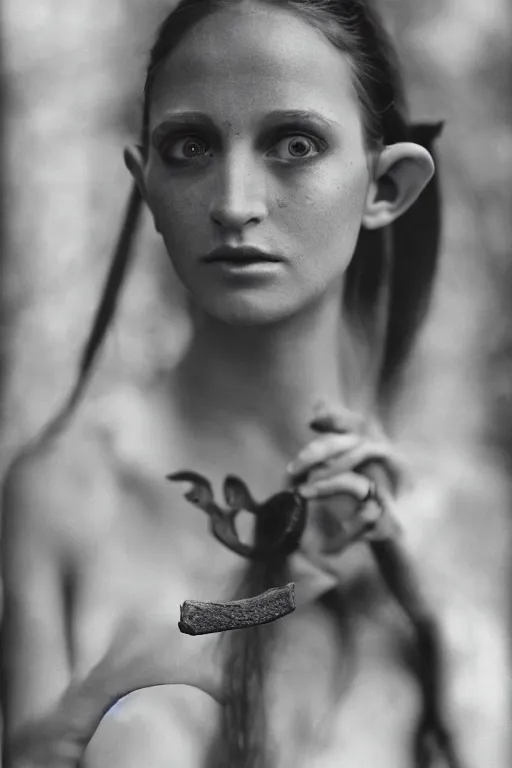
350, 462
351, 474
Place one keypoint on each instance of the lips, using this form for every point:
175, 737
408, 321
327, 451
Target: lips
242, 255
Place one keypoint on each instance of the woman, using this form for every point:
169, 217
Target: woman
275, 159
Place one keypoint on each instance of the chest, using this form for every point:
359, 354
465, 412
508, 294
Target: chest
323, 697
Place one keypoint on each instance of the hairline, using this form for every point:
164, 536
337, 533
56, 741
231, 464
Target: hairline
318, 16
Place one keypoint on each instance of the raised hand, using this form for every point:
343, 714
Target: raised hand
352, 472
352, 468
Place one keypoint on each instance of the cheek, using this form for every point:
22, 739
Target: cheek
325, 210
177, 209
180, 214
314, 214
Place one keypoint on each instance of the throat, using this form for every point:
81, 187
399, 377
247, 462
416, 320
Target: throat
266, 381
271, 388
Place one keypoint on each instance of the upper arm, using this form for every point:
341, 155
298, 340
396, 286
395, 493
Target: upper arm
34, 656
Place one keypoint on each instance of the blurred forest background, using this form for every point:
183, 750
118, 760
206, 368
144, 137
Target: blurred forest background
72, 83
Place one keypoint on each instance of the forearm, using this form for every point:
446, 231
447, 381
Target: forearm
59, 739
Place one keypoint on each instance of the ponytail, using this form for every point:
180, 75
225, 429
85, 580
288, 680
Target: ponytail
107, 305
416, 239
390, 280
242, 739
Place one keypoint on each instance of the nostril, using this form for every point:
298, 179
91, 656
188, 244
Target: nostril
236, 210
234, 221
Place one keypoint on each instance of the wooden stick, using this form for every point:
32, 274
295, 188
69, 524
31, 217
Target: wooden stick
198, 618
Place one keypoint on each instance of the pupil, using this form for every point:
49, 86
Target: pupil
192, 148
298, 147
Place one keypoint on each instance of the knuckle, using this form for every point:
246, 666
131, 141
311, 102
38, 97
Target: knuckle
333, 443
307, 454
318, 449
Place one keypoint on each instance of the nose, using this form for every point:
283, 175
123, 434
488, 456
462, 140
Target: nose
240, 197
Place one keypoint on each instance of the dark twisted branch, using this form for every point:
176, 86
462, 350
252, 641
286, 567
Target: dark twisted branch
197, 618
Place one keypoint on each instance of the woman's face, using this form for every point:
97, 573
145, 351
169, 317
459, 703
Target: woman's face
256, 141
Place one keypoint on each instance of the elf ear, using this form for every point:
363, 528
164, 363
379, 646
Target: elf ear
135, 162
401, 172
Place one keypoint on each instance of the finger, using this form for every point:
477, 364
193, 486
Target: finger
321, 450
349, 483
340, 420
393, 478
374, 452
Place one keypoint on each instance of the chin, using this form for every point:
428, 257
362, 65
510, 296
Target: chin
247, 312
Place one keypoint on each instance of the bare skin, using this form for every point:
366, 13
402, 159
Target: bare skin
102, 521
115, 592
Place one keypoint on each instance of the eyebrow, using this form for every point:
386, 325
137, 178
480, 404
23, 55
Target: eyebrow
200, 119
297, 115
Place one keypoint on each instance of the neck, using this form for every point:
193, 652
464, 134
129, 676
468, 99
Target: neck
268, 377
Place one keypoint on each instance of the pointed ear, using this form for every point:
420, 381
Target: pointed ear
135, 162
401, 172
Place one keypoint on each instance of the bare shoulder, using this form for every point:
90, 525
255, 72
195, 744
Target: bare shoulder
58, 492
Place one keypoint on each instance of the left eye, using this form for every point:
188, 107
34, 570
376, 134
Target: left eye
296, 148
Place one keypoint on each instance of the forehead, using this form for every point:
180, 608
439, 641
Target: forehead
239, 63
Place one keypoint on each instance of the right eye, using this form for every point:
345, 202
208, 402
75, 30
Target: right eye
185, 149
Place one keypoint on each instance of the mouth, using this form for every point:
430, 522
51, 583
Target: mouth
242, 256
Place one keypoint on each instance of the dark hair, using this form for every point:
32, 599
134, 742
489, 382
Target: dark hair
388, 287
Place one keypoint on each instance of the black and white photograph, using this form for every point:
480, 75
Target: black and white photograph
256, 384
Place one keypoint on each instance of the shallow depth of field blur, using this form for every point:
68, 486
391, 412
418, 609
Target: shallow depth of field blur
73, 83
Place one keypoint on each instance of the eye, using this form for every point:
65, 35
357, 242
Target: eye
185, 149
297, 147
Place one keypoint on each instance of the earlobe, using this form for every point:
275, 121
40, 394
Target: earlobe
401, 172
135, 163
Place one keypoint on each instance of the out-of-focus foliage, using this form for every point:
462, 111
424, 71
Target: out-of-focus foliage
73, 81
